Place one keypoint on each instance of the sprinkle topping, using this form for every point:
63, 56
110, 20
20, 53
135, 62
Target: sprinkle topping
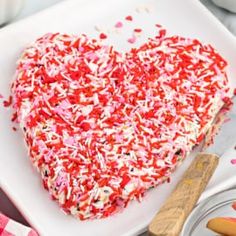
103, 127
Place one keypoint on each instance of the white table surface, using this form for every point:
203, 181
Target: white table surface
33, 6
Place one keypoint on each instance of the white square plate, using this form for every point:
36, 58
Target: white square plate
21, 182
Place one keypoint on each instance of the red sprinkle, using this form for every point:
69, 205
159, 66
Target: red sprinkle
80, 119
14, 128
137, 30
85, 126
162, 33
129, 18
102, 36
227, 101
7, 103
235, 92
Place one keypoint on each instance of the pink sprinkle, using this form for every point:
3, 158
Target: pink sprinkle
132, 40
129, 18
64, 105
233, 161
227, 120
32, 233
119, 24
69, 141
1, 96
4, 221
81, 49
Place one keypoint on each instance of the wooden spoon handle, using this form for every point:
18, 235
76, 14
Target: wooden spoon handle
172, 215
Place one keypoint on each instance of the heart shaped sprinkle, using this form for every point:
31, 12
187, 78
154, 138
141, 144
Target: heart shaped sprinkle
103, 127
233, 161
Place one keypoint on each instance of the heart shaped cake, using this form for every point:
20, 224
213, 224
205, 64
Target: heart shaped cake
102, 127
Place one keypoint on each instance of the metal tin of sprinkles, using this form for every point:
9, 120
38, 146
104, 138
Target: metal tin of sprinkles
219, 205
